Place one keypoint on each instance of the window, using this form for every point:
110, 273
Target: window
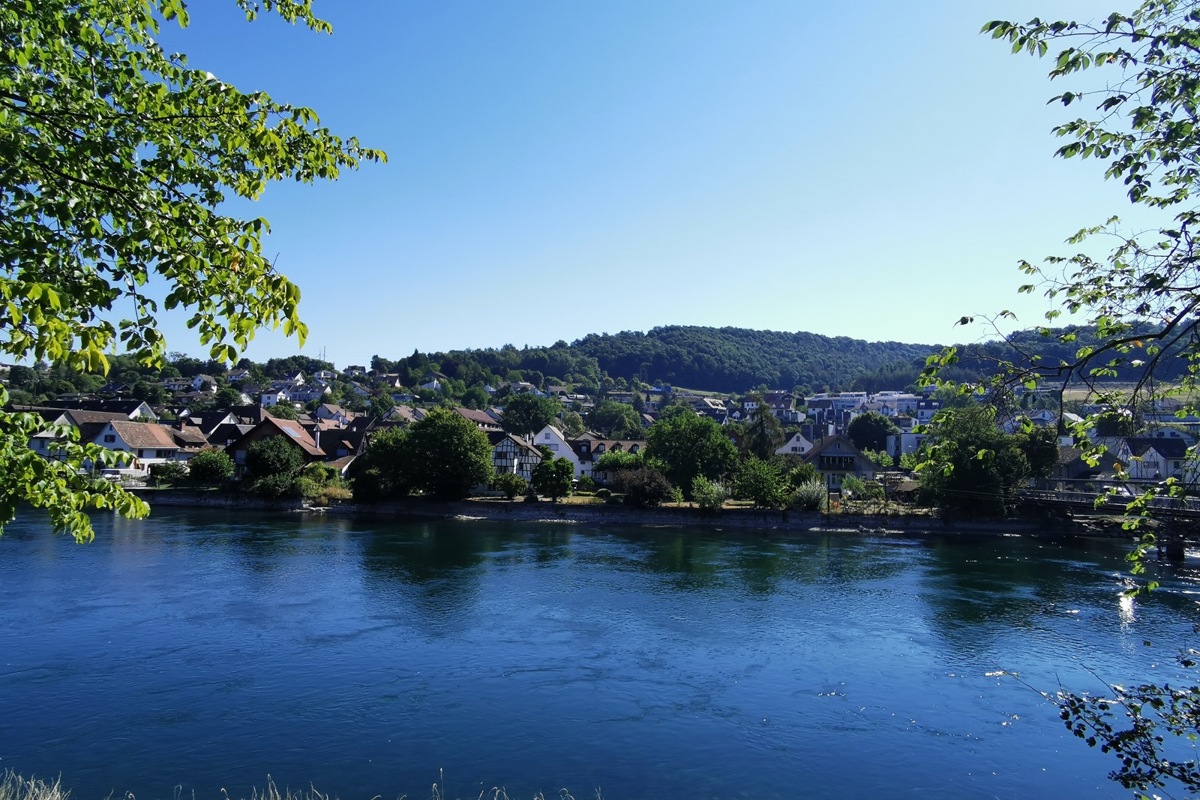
547, 435
554, 448
109, 438
163, 454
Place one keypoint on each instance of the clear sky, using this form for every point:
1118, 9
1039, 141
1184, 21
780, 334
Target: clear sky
871, 169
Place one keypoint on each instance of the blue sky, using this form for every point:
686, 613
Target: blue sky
873, 169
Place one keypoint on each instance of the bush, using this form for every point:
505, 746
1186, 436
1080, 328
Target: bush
332, 495
278, 486
586, 484
645, 487
604, 494
168, 473
709, 495
810, 496
210, 467
511, 484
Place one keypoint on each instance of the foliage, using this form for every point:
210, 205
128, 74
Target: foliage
1132, 723
283, 411
273, 465
1142, 301
273, 455
882, 460
528, 413
810, 496
321, 485
870, 431
971, 465
382, 472
645, 487
511, 484
117, 159
446, 455
553, 478
859, 489
731, 359
168, 473
210, 466
802, 474
709, 495
572, 424
763, 433
616, 460
688, 445
761, 482
615, 420
587, 484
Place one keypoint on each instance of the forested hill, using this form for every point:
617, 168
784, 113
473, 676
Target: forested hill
734, 359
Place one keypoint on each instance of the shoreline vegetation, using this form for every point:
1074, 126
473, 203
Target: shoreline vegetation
17, 787
841, 520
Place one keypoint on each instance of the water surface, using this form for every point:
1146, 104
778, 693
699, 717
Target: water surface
199, 651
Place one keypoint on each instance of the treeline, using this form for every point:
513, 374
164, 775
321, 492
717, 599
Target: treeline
726, 360
715, 359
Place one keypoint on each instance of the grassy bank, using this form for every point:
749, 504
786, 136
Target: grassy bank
15, 787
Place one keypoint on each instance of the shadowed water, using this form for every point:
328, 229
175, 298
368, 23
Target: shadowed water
200, 651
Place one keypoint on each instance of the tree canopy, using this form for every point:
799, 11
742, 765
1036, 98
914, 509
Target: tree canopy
115, 160
687, 446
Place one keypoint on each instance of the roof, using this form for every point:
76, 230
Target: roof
295, 431
1165, 446
144, 434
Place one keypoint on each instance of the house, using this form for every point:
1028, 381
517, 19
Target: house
482, 419
559, 446
513, 455
149, 442
204, 383
926, 409
902, 443
132, 409
330, 411
1153, 458
795, 446
274, 397
291, 430
87, 423
837, 457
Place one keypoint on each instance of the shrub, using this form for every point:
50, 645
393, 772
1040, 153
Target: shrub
168, 473
586, 484
810, 496
332, 495
278, 486
210, 466
604, 494
511, 484
645, 487
709, 495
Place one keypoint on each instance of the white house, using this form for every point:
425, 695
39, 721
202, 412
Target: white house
150, 442
795, 446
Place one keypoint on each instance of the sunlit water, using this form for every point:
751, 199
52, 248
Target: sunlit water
200, 651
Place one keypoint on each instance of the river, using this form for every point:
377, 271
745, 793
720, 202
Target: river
200, 651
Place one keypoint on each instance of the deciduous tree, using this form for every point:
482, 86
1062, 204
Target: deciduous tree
116, 158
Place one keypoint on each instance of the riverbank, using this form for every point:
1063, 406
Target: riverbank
498, 510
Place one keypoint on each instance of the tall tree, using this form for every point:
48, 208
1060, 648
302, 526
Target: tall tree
687, 445
870, 431
528, 413
117, 160
763, 432
446, 455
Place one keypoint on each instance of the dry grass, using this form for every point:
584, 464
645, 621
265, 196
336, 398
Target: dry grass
15, 787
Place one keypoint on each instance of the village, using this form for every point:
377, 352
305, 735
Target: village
195, 416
